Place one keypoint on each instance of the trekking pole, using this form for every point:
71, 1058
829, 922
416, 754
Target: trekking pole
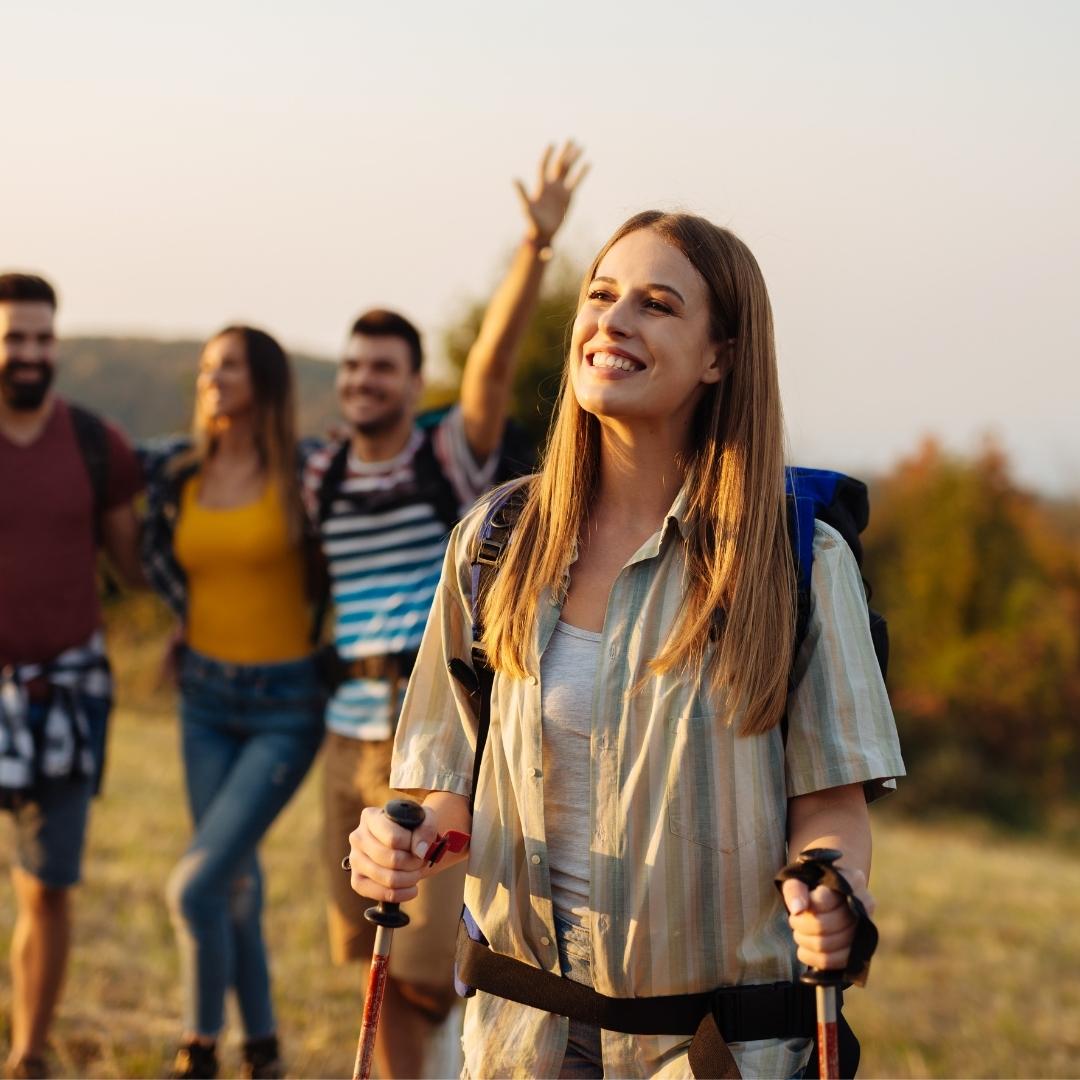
809, 868
814, 867
825, 982
388, 917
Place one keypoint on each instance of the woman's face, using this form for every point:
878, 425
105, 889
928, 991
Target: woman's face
641, 349
224, 382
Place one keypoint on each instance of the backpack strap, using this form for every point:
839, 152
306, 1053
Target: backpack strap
93, 446
318, 575
433, 485
331, 482
478, 679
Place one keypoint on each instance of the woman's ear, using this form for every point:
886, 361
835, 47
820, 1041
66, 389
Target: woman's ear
722, 362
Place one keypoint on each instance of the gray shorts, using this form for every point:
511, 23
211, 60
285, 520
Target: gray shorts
50, 829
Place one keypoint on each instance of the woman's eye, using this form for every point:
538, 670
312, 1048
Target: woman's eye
658, 305
599, 294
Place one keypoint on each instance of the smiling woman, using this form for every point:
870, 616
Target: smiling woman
638, 792
224, 543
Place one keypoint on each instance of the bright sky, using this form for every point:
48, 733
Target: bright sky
906, 172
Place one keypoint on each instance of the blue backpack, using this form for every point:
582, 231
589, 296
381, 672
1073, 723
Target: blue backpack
740, 1013
812, 494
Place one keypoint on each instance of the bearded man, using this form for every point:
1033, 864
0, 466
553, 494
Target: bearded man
67, 479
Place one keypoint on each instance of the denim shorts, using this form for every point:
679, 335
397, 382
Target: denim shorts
50, 827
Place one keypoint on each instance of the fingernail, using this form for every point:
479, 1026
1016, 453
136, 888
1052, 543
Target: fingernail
422, 848
797, 906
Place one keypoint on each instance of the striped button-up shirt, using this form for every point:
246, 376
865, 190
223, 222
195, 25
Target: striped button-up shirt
686, 825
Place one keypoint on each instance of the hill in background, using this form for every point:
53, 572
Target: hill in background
147, 386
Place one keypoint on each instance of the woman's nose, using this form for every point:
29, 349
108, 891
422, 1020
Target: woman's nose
615, 320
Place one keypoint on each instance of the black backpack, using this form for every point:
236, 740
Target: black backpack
517, 457
93, 443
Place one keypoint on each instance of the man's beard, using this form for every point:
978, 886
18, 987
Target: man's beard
20, 394
379, 426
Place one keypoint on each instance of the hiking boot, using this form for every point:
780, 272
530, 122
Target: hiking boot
262, 1059
195, 1061
27, 1068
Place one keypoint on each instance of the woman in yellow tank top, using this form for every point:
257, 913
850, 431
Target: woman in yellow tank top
225, 543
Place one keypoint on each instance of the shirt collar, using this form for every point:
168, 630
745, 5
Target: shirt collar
679, 514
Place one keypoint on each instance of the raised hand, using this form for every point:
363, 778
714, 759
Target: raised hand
545, 208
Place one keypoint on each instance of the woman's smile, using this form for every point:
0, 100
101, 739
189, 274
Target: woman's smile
614, 361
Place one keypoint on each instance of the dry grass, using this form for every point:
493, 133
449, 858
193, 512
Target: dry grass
977, 974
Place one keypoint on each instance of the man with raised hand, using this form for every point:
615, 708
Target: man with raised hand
67, 479
384, 501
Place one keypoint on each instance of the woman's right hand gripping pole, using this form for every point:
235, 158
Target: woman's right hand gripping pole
387, 861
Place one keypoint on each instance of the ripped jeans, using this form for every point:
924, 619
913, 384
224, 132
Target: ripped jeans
249, 732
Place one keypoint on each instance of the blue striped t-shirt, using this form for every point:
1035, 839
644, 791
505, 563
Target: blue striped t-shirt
384, 560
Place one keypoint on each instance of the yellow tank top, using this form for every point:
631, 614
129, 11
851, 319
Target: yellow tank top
247, 601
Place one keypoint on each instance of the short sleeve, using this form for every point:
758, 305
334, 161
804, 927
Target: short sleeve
436, 732
470, 478
125, 478
313, 469
841, 728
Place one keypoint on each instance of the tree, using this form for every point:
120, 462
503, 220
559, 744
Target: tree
981, 587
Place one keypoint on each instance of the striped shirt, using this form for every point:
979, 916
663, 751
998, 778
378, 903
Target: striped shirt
384, 545
686, 821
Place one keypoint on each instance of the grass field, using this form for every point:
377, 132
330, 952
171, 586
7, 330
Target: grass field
978, 973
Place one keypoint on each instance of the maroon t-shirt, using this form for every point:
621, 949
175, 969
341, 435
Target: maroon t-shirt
48, 589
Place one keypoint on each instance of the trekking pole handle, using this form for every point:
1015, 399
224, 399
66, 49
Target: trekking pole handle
813, 859
409, 815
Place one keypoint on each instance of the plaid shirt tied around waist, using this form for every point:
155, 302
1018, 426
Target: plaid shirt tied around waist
64, 747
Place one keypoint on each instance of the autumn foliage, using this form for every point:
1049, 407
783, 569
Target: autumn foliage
980, 582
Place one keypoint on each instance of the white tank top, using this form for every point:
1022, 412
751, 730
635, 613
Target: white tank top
567, 678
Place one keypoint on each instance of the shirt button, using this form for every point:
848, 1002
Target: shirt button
545, 940
534, 771
536, 860
532, 680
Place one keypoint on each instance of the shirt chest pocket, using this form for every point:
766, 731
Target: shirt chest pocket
723, 791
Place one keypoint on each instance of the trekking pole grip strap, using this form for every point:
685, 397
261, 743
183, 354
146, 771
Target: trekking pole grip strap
815, 867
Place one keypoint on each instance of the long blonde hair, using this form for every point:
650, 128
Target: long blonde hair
274, 424
740, 576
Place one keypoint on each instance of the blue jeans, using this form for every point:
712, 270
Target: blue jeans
250, 732
583, 1059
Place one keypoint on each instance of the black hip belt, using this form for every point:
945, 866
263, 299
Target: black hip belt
714, 1018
